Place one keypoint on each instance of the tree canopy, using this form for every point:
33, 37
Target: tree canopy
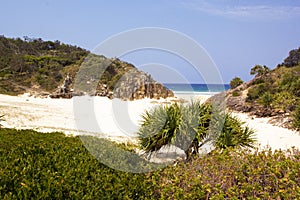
235, 82
259, 70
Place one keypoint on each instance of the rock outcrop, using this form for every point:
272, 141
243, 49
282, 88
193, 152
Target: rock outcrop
63, 91
138, 85
133, 85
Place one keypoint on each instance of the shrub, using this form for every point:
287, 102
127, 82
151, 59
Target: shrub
259, 70
52, 166
284, 100
191, 126
235, 82
233, 174
236, 93
266, 99
255, 92
234, 135
296, 115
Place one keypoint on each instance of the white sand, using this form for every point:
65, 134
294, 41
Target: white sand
110, 118
269, 135
80, 115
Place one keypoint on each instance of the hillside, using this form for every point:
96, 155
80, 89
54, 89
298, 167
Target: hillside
46, 67
271, 93
34, 64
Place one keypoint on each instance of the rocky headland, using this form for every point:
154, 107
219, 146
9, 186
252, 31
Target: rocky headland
47, 68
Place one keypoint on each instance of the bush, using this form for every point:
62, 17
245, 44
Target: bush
236, 93
235, 82
52, 166
234, 135
255, 92
266, 99
191, 126
259, 70
233, 174
296, 121
284, 100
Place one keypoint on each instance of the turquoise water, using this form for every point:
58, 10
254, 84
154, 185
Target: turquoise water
197, 89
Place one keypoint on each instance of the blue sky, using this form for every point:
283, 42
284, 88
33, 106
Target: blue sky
236, 34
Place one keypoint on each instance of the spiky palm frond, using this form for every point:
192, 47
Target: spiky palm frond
189, 126
160, 126
234, 134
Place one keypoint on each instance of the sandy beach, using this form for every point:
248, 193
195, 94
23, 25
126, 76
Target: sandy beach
115, 119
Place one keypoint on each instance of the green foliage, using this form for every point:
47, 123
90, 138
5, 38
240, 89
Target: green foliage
291, 82
233, 174
284, 101
255, 92
236, 93
278, 89
235, 82
29, 63
34, 62
234, 135
191, 126
52, 166
165, 126
266, 99
296, 121
293, 59
259, 70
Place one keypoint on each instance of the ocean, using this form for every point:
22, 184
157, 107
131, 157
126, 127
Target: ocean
196, 89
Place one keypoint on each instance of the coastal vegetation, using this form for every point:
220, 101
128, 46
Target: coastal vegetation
272, 92
40, 67
190, 126
37, 165
235, 82
34, 63
53, 166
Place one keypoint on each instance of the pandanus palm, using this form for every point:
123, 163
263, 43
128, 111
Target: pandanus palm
189, 126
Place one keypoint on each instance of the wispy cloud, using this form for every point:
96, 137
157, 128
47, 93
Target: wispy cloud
268, 12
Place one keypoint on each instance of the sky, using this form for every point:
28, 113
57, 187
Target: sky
235, 34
